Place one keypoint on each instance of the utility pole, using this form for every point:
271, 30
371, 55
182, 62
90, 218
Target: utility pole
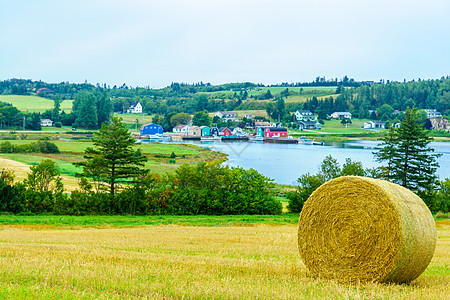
23, 123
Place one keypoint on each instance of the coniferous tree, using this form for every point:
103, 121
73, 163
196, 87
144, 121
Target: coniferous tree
410, 162
113, 160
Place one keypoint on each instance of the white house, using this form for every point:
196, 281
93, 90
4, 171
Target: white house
374, 125
433, 113
341, 115
227, 115
46, 122
135, 108
237, 131
305, 115
182, 129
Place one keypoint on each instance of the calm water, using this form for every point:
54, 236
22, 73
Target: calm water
286, 162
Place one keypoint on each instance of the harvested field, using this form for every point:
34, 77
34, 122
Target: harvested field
163, 262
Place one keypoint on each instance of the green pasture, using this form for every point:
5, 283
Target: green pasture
34, 103
65, 167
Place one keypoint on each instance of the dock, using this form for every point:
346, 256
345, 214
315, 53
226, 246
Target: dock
280, 140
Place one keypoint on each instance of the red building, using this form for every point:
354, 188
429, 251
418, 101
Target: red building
275, 132
224, 131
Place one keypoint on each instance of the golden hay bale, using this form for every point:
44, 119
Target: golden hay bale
357, 229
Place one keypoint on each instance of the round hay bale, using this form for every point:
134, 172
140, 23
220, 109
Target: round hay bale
357, 229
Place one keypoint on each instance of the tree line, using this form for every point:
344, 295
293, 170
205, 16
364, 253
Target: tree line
114, 181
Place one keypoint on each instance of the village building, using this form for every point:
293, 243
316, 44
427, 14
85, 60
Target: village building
433, 113
374, 125
305, 115
195, 131
151, 129
237, 131
135, 108
309, 125
224, 131
341, 115
46, 123
438, 123
181, 128
272, 132
205, 130
264, 124
214, 131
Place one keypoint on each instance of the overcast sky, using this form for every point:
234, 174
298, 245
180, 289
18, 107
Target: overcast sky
151, 42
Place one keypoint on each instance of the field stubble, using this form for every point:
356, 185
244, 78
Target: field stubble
173, 261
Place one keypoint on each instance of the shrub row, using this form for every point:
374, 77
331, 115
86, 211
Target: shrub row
203, 189
35, 147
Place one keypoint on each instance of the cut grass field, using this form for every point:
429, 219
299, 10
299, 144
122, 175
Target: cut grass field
193, 261
34, 103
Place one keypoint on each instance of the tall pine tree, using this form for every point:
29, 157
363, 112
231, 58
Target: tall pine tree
113, 160
410, 161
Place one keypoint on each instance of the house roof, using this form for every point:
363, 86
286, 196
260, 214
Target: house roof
223, 128
342, 113
46, 120
304, 112
142, 127
307, 123
179, 126
276, 129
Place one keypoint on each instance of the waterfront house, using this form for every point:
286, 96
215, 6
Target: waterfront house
236, 131
195, 131
224, 131
181, 128
205, 130
151, 129
272, 132
214, 131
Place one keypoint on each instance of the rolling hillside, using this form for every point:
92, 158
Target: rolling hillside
34, 103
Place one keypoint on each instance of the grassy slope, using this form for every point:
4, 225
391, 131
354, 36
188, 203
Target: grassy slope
257, 261
72, 151
34, 103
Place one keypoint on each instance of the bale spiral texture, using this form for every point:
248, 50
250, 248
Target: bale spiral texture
357, 229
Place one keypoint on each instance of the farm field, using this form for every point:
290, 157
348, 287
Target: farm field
248, 261
159, 160
34, 103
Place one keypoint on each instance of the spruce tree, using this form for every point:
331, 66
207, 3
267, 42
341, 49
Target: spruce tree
410, 161
113, 160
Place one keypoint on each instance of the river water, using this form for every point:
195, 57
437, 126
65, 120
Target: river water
286, 162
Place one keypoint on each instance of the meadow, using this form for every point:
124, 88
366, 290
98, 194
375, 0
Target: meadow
159, 158
164, 257
34, 103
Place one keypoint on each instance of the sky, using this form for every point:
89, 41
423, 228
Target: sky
156, 42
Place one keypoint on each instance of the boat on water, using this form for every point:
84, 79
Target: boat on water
210, 138
320, 143
257, 139
303, 140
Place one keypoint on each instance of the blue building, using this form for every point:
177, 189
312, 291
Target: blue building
151, 129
